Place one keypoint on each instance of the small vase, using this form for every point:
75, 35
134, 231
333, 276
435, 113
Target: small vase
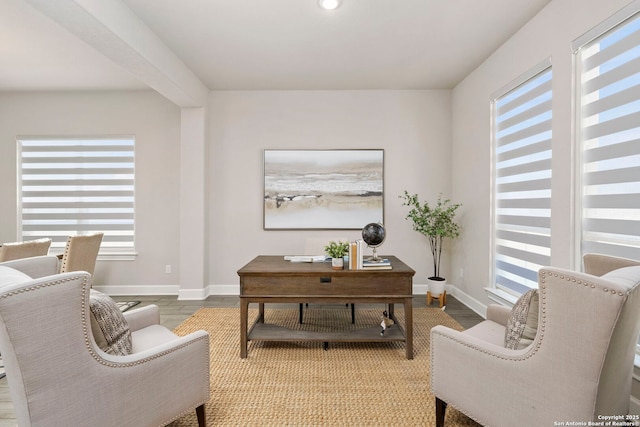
337, 263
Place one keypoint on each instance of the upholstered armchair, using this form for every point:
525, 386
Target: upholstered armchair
59, 376
578, 366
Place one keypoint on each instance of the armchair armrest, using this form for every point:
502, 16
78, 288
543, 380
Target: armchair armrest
35, 267
180, 344
498, 313
142, 317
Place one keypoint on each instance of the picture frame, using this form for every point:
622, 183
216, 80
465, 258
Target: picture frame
323, 189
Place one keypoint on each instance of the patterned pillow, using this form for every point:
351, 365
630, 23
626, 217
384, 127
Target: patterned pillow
522, 324
108, 325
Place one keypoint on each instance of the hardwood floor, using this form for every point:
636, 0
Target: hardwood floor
173, 312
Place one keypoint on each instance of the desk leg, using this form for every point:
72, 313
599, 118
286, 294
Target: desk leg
408, 327
261, 312
244, 324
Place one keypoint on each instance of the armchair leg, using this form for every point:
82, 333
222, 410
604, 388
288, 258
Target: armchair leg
202, 419
441, 407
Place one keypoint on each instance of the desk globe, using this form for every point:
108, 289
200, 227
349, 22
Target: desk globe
373, 235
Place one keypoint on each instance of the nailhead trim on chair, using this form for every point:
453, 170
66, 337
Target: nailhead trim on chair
543, 273
33, 288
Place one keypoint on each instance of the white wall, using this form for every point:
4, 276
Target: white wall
413, 127
155, 122
549, 34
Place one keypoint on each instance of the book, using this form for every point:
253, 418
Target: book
359, 259
354, 255
377, 267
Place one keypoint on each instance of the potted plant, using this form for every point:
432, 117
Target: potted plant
337, 251
436, 223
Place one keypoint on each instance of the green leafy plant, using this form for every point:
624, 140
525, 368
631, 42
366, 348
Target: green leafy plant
436, 223
337, 249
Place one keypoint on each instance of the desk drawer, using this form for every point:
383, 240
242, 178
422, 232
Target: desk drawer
325, 285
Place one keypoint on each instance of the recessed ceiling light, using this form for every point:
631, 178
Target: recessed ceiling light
329, 4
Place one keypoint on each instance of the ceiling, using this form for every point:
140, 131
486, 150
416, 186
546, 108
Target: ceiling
269, 45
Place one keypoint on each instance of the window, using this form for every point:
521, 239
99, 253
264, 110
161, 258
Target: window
609, 130
521, 120
608, 61
77, 186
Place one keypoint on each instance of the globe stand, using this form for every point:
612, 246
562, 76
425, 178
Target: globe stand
374, 258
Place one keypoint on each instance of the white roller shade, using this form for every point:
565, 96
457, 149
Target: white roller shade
78, 186
522, 180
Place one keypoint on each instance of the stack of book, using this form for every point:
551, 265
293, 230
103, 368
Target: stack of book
380, 264
358, 262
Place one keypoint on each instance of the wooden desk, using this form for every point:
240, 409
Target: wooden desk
271, 279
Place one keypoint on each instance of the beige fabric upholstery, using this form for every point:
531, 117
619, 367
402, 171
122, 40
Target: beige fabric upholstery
81, 253
578, 367
59, 377
30, 248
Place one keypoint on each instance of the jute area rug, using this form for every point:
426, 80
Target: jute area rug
300, 384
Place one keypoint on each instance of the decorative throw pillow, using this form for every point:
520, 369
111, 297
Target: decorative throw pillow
108, 325
522, 324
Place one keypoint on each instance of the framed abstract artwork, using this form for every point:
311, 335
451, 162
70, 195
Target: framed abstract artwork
323, 189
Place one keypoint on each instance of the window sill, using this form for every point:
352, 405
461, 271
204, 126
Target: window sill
117, 256
501, 297
108, 256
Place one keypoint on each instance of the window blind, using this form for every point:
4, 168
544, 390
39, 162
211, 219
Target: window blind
522, 180
609, 86
77, 186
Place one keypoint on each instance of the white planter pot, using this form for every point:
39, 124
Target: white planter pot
436, 287
337, 263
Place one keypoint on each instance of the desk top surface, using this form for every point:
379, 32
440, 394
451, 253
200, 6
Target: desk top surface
276, 264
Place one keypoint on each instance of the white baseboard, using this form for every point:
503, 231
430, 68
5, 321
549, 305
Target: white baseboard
183, 294
469, 301
139, 290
